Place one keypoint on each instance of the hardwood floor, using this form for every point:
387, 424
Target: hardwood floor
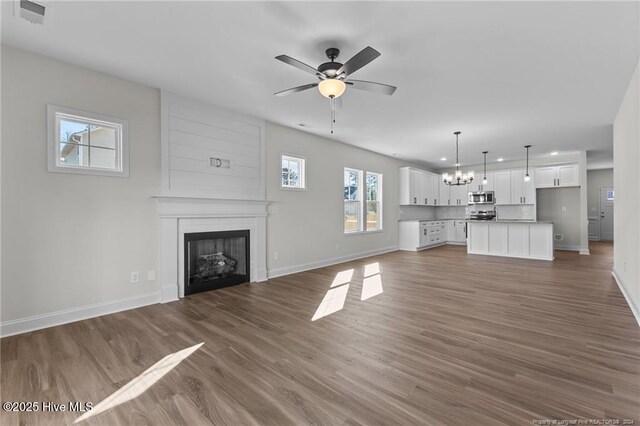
453, 339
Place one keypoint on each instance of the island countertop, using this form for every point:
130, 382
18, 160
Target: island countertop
533, 222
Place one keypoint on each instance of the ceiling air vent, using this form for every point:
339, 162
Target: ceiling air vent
34, 12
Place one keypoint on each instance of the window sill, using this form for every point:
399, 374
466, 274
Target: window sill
377, 231
287, 188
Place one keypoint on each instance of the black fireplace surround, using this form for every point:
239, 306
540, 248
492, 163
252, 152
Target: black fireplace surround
214, 260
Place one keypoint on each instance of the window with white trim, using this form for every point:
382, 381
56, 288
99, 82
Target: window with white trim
362, 201
87, 143
293, 172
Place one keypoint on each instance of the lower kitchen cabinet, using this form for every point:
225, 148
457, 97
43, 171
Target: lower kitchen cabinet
417, 235
529, 240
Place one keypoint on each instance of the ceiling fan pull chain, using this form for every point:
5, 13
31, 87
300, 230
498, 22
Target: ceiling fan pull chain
331, 113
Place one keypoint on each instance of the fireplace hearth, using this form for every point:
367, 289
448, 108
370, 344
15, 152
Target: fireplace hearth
215, 260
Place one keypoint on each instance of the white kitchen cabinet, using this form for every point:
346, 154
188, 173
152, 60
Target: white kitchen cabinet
565, 175
418, 187
456, 232
479, 186
432, 189
529, 240
502, 187
459, 195
417, 235
522, 192
444, 193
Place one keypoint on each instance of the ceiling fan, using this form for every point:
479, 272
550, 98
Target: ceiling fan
335, 77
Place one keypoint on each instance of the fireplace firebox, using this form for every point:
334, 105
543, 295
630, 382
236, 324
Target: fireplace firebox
214, 260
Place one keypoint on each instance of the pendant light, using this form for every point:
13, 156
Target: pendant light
527, 178
458, 178
484, 179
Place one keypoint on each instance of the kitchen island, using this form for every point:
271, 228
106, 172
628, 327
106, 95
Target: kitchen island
511, 238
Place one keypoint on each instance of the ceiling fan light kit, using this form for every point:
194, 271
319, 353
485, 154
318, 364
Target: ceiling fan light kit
331, 88
334, 76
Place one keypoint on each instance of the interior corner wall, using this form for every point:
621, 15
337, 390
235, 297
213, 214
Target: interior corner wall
71, 241
626, 181
305, 227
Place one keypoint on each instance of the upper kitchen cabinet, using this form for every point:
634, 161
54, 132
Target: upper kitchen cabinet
557, 176
444, 193
502, 187
459, 195
522, 192
418, 187
477, 184
510, 188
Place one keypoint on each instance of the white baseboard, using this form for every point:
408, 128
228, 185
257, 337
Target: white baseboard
585, 251
279, 272
632, 306
37, 322
567, 247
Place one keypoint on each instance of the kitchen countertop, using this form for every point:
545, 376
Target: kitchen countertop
538, 222
427, 220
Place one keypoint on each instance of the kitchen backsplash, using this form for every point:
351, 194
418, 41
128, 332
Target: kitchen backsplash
527, 212
451, 212
417, 213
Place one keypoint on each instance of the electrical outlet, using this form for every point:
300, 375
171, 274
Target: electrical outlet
276, 255
564, 209
151, 275
135, 277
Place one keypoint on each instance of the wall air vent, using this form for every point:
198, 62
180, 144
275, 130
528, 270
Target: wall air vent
34, 12
558, 237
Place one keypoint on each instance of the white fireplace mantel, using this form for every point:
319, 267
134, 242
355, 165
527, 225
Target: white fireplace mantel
180, 215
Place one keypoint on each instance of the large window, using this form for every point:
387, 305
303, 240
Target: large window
362, 201
82, 142
293, 172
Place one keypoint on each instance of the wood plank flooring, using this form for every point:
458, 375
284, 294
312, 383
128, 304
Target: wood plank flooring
453, 339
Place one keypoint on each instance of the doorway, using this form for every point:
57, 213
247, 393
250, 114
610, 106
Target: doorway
607, 195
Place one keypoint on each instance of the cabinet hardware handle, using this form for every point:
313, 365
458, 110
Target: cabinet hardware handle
415, 200
435, 201
524, 200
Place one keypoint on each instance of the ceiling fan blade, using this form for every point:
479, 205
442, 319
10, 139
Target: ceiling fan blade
296, 89
371, 86
359, 60
296, 63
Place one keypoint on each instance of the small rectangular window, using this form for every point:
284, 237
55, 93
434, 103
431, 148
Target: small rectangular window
87, 143
293, 172
374, 202
352, 200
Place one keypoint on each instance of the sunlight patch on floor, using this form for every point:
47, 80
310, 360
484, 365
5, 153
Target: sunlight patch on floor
333, 302
343, 277
371, 286
140, 384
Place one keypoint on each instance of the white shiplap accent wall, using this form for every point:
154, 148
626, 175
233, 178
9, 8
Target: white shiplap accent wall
193, 133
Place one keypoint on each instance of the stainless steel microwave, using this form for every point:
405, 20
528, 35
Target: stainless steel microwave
481, 197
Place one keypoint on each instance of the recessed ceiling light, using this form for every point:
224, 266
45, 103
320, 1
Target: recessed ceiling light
304, 125
500, 159
554, 153
443, 159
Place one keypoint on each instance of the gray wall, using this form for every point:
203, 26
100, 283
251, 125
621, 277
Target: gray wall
626, 181
562, 207
597, 179
71, 240
305, 228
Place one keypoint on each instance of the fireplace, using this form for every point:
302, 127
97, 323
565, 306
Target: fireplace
214, 260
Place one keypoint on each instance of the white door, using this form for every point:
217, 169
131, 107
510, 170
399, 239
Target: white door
606, 213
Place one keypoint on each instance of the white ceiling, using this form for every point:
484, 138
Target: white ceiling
506, 73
